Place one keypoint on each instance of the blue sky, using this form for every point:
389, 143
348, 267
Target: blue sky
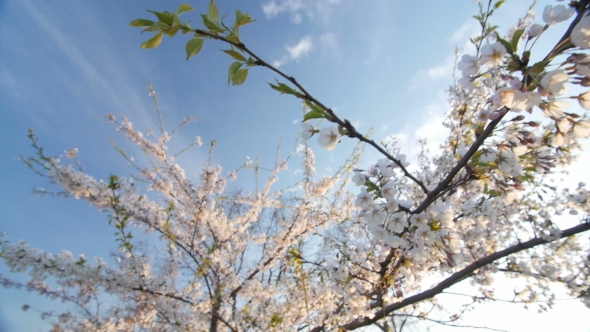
381, 64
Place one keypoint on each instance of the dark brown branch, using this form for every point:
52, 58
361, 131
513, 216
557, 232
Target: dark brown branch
461, 164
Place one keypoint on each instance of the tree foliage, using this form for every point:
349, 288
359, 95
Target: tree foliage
317, 257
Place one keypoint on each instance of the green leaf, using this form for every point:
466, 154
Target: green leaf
153, 42
239, 18
493, 193
176, 21
498, 4
506, 44
141, 23
516, 38
313, 115
371, 186
233, 68
313, 107
283, 88
213, 11
184, 8
171, 32
242, 19
233, 38
211, 25
164, 17
246, 20
157, 26
251, 62
239, 77
235, 55
193, 47
476, 155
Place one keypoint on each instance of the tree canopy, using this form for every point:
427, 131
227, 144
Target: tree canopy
362, 247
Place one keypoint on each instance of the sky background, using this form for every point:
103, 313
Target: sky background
381, 64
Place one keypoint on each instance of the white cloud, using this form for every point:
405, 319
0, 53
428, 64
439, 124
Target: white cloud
315, 10
117, 91
329, 45
273, 8
444, 69
430, 126
302, 48
468, 29
296, 19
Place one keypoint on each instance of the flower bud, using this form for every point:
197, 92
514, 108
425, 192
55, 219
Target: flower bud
535, 30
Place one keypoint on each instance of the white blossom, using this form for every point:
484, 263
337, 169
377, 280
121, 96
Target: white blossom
555, 82
329, 138
307, 130
469, 65
492, 55
580, 35
535, 30
556, 14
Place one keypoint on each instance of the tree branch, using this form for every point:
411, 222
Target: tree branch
458, 276
351, 131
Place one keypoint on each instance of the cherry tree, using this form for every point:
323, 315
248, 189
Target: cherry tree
316, 257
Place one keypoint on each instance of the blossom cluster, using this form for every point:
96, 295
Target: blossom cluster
314, 256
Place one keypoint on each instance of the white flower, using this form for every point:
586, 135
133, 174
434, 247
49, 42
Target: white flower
364, 200
469, 65
582, 129
582, 69
386, 167
535, 30
508, 97
555, 109
402, 160
563, 125
398, 222
388, 191
559, 139
375, 217
492, 54
519, 150
393, 241
466, 83
584, 99
392, 205
514, 82
531, 99
359, 178
556, 14
527, 101
554, 81
373, 170
71, 153
306, 130
580, 35
509, 196
329, 138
